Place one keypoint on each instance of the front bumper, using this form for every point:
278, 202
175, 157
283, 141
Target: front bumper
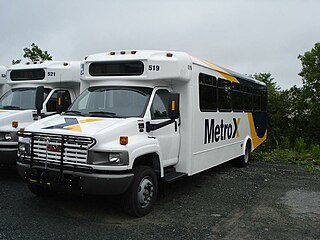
8, 152
72, 181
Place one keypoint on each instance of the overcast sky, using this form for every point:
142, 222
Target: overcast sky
247, 36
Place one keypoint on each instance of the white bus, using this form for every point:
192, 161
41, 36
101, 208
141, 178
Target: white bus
17, 106
145, 118
3, 81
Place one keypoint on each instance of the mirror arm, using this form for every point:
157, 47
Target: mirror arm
152, 127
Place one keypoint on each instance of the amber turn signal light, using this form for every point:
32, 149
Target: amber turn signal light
15, 124
124, 140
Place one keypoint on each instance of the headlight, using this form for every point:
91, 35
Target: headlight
7, 136
24, 147
108, 158
114, 158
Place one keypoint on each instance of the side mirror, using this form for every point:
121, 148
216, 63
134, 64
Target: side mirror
39, 99
61, 102
173, 107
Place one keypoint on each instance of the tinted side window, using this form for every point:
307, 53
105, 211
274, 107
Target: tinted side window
52, 103
159, 108
237, 97
207, 93
224, 95
247, 98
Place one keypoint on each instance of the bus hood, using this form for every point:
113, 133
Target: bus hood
75, 125
23, 117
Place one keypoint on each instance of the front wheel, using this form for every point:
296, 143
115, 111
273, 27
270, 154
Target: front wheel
139, 200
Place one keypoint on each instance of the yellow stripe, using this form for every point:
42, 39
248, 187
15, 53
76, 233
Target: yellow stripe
238, 124
75, 128
256, 141
224, 73
88, 120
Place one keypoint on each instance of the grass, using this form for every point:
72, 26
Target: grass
299, 154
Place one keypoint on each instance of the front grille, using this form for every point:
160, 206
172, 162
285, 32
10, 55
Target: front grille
51, 148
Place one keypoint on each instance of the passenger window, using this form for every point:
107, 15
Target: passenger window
224, 95
52, 102
207, 93
159, 108
237, 97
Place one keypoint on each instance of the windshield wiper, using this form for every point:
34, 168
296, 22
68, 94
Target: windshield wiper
103, 113
12, 107
73, 112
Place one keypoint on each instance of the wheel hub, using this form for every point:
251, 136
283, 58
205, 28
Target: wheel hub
145, 192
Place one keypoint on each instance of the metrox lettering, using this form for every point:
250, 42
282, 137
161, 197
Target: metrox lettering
220, 131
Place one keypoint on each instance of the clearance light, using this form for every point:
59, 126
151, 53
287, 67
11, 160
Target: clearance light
169, 54
112, 53
133, 52
65, 64
124, 140
27, 63
123, 52
15, 124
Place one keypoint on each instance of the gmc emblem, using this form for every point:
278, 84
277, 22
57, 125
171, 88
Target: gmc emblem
53, 148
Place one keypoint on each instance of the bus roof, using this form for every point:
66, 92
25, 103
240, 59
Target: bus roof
44, 72
173, 56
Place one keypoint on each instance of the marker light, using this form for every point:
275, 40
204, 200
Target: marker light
133, 52
124, 140
123, 52
112, 53
173, 105
169, 54
59, 101
65, 64
15, 124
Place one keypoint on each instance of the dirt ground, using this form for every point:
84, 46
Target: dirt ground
261, 201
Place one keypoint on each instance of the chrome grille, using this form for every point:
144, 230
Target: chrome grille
50, 148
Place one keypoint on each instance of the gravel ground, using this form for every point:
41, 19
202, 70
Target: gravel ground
261, 201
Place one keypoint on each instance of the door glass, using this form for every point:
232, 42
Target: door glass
159, 108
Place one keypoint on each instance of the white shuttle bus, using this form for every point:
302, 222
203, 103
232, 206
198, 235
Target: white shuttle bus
3, 81
145, 118
49, 81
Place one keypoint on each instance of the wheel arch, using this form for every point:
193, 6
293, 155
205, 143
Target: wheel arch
152, 160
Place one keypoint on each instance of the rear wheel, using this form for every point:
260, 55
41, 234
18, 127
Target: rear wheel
141, 196
243, 160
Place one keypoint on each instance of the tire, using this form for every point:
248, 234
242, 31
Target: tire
40, 191
140, 198
244, 159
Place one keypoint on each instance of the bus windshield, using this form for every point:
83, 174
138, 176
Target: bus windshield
20, 99
121, 102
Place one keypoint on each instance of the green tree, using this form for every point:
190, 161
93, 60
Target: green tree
310, 93
311, 69
34, 54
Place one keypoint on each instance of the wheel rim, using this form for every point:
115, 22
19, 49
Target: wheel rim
145, 192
